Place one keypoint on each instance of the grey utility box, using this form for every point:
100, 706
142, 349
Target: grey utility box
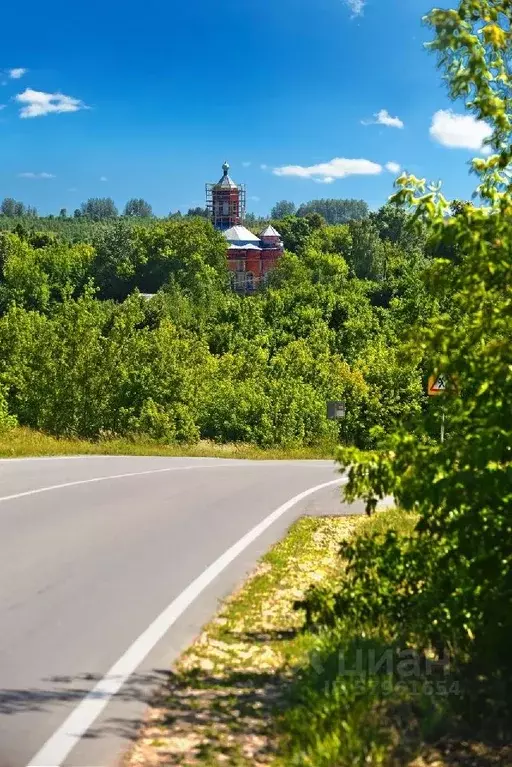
335, 410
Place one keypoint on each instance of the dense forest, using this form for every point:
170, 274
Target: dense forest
335, 211
85, 353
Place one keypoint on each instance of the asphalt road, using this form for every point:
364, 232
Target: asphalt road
92, 551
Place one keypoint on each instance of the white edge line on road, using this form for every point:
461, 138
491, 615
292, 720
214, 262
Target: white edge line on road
63, 740
186, 467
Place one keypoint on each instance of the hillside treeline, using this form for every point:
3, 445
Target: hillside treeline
84, 353
13, 212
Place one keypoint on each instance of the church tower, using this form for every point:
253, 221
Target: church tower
250, 258
225, 201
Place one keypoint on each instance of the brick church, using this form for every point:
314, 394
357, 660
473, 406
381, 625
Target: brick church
250, 258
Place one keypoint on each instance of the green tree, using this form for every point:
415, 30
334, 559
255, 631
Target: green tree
99, 208
35, 277
90, 368
198, 212
365, 249
8, 207
6, 421
116, 260
294, 231
188, 252
335, 211
448, 586
315, 221
138, 208
396, 225
283, 209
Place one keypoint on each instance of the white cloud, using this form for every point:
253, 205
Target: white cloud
36, 175
393, 167
327, 172
2, 106
264, 167
72, 189
16, 73
246, 164
459, 131
254, 198
384, 118
38, 103
356, 6
103, 178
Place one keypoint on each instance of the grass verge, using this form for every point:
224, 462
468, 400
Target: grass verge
22, 442
221, 700
257, 689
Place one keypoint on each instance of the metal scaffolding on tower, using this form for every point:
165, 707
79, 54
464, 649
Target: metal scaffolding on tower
225, 202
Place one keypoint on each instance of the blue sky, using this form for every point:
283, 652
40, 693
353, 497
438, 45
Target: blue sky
128, 100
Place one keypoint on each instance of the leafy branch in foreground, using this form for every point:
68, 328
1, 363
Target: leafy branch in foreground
456, 570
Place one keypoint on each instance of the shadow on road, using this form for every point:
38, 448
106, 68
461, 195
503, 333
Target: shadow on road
65, 689
195, 713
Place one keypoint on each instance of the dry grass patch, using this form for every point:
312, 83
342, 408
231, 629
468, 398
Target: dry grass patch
23, 442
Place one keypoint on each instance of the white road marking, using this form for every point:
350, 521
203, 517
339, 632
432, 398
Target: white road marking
186, 467
46, 489
63, 740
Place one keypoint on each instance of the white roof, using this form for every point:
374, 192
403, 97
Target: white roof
270, 232
245, 247
240, 234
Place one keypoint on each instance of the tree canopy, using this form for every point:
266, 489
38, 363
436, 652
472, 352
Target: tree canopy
282, 209
335, 211
138, 208
99, 208
266, 363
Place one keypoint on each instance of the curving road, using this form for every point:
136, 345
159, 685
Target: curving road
109, 566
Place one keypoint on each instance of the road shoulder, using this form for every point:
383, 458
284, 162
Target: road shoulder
219, 702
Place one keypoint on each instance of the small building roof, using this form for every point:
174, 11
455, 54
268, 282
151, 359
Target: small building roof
270, 232
240, 234
249, 246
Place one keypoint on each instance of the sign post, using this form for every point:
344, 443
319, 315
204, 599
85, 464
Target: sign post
439, 385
